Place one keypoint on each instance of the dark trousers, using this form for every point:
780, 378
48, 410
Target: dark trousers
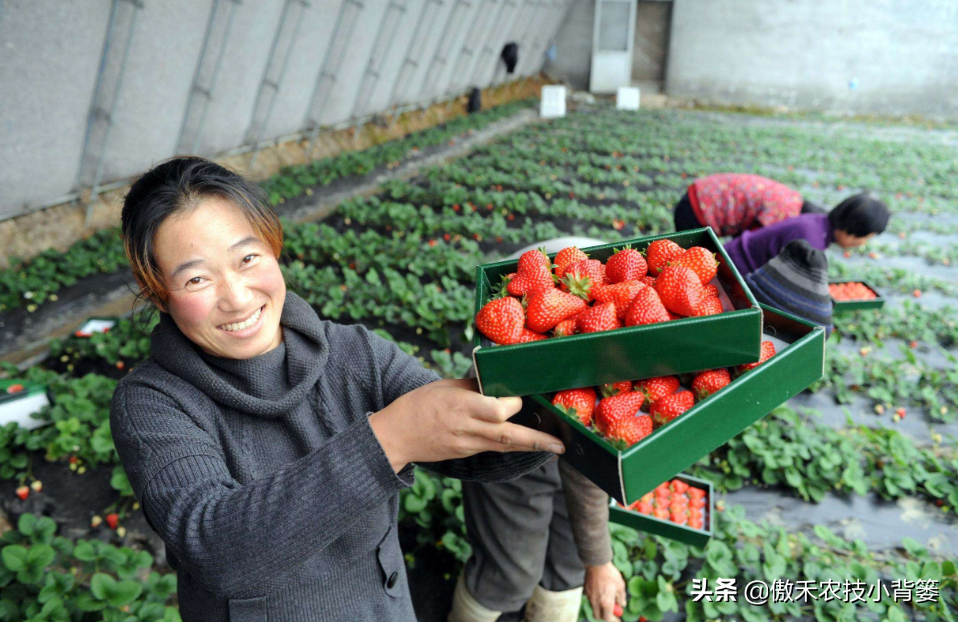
521, 536
684, 215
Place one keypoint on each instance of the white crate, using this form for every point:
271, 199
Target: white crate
552, 103
627, 98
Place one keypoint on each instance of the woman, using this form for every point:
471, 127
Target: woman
266, 446
852, 223
796, 281
731, 203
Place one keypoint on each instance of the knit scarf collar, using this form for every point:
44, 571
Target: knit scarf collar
238, 384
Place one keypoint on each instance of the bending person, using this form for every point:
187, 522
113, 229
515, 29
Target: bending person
796, 281
268, 446
850, 224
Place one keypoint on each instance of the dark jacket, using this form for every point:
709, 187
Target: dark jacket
265, 479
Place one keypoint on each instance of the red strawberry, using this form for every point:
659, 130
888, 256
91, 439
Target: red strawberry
768, 351
671, 406
697, 504
630, 430
568, 256
528, 335
614, 388
627, 264
696, 493
643, 507
533, 280
611, 409
579, 278
709, 382
695, 523
598, 318
577, 402
23, 492
656, 388
709, 305
710, 290
674, 316
112, 520
648, 280
680, 518
661, 513
680, 289
701, 261
566, 327
531, 261
546, 308
620, 294
661, 252
501, 320
679, 486
647, 308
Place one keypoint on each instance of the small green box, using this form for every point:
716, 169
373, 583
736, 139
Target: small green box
840, 307
674, 347
666, 528
627, 475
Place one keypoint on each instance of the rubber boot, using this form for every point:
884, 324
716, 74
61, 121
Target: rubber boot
465, 608
546, 606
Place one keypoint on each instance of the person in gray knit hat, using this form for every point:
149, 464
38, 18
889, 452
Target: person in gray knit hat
795, 281
267, 446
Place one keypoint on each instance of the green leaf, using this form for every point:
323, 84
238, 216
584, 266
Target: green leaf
14, 557
124, 593
102, 586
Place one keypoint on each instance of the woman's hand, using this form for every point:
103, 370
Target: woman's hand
449, 419
605, 588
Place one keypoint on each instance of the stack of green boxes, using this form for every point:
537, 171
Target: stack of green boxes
541, 368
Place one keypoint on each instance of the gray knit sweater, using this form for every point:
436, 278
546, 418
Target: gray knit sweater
264, 478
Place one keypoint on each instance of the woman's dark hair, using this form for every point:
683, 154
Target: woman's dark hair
181, 184
859, 215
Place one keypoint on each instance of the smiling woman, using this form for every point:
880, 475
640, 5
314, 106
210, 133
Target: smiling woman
267, 446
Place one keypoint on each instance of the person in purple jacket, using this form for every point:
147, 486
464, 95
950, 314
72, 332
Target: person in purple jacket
850, 224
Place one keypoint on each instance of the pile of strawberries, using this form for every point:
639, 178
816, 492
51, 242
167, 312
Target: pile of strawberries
850, 291
675, 501
627, 412
581, 295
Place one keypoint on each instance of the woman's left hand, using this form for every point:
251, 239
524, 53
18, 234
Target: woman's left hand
605, 588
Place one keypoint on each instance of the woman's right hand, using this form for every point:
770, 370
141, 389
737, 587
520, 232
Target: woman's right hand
449, 419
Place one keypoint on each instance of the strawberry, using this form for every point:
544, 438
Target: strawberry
501, 320
648, 280
531, 261
680, 518
656, 388
598, 318
647, 308
546, 308
674, 316
96, 521
579, 278
661, 513
566, 327
614, 388
768, 351
617, 610
695, 523
696, 493
630, 430
626, 264
528, 335
680, 289
709, 382
112, 520
620, 294
710, 290
36, 486
577, 402
611, 409
700, 260
697, 504
568, 256
532, 280
679, 486
671, 406
643, 507
709, 305
23, 492
661, 252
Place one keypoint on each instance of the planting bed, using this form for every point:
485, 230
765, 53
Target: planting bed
796, 494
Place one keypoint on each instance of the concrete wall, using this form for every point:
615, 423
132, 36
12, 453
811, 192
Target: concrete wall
51, 53
898, 56
573, 61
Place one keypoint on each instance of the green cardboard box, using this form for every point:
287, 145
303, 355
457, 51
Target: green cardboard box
840, 307
678, 346
666, 528
629, 474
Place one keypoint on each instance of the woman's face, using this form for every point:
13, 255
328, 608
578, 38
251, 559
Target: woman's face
218, 272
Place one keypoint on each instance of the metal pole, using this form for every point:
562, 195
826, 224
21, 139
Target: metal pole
256, 128
402, 76
373, 67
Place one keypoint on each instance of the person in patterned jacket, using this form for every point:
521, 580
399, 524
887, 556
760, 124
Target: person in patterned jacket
731, 203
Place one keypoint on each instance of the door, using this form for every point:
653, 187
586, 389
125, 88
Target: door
653, 21
613, 39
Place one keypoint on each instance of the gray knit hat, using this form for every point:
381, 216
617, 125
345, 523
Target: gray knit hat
795, 281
